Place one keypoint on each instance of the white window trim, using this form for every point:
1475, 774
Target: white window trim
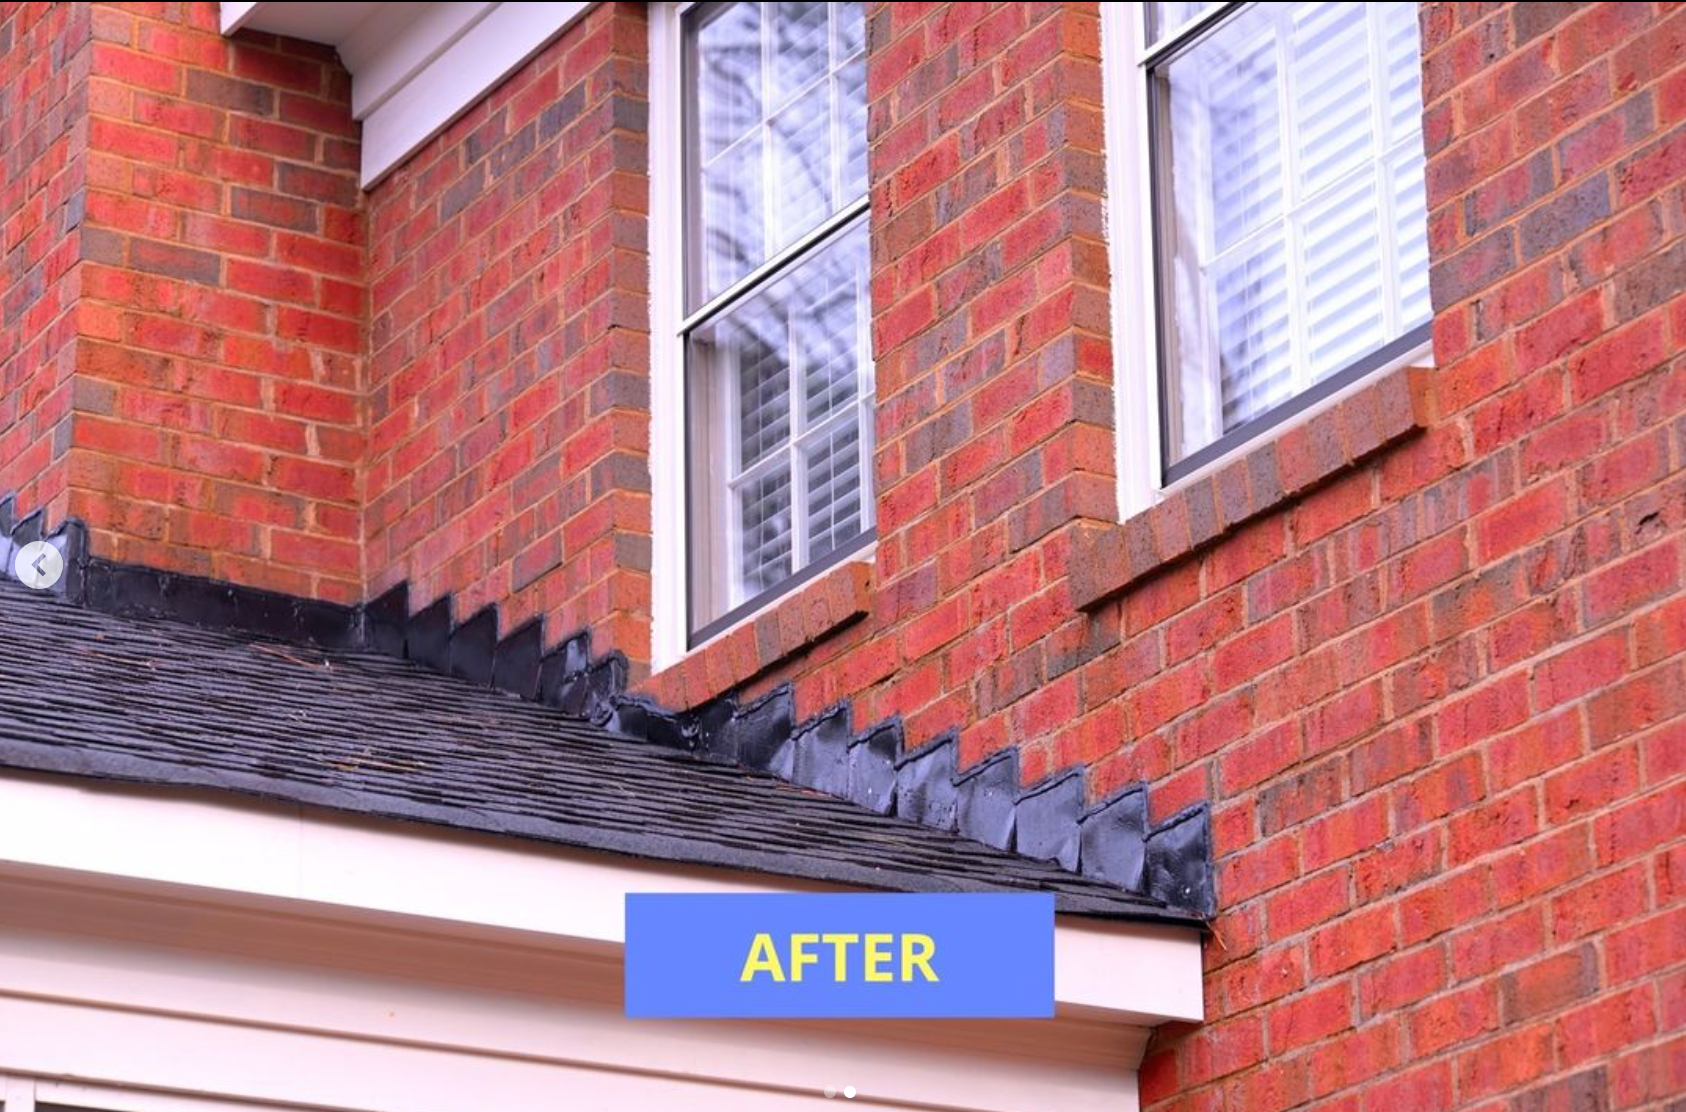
668, 626
1134, 309
669, 560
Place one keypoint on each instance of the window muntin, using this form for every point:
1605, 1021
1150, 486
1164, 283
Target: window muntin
1291, 231
779, 388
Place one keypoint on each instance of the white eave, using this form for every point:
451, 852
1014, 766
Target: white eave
414, 67
96, 876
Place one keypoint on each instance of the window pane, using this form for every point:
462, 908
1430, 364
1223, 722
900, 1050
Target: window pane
764, 534
801, 55
831, 470
732, 234
801, 149
763, 396
776, 142
830, 341
1253, 323
1162, 19
1410, 216
1333, 100
1289, 151
1344, 292
778, 461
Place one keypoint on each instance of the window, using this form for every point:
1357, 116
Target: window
773, 331
1282, 188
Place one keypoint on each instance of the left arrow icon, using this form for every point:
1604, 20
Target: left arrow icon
38, 565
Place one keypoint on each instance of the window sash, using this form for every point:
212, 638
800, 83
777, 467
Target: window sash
1173, 367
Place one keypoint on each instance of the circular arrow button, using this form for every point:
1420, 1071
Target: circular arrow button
38, 565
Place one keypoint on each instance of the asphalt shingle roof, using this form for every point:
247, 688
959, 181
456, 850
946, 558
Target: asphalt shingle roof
154, 701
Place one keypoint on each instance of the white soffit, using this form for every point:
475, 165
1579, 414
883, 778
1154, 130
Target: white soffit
414, 67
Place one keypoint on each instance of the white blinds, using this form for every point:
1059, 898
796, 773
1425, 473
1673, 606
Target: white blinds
1298, 239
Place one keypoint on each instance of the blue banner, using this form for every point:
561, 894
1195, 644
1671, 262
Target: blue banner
812, 956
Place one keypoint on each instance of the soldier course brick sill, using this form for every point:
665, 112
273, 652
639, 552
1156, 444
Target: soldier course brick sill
1110, 558
803, 618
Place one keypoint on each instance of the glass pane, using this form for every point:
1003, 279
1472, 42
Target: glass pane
1333, 99
1253, 332
733, 244
1289, 148
1410, 221
728, 76
1162, 19
764, 537
851, 29
800, 49
829, 340
1241, 157
776, 141
763, 396
1344, 295
832, 472
802, 152
777, 482
1402, 70
851, 102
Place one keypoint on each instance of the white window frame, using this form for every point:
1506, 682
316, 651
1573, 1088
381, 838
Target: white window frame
670, 633
1138, 395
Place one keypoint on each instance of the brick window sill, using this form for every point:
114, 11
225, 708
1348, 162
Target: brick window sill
796, 622
1110, 558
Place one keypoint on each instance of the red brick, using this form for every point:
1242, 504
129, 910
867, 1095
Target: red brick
1309, 1017
1452, 1019
1591, 784
1614, 1021
1645, 947
1309, 903
1521, 521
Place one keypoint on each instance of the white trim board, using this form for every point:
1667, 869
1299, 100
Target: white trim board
421, 970
245, 850
414, 67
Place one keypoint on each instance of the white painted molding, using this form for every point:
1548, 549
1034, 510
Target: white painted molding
417, 969
246, 850
414, 67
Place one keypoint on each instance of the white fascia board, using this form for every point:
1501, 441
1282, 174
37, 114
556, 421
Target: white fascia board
415, 67
99, 985
1127, 972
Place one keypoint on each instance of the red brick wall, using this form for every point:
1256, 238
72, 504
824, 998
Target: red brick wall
218, 395
509, 369
1432, 680
1449, 807
44, 61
